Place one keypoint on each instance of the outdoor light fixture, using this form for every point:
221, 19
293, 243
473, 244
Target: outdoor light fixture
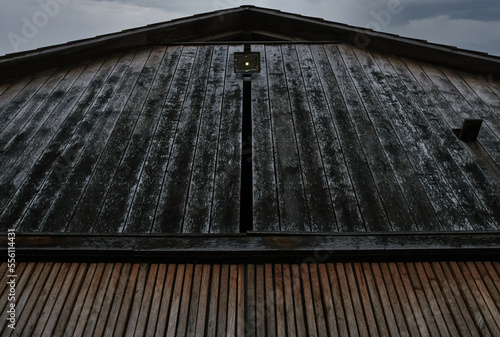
470, 130
246, 63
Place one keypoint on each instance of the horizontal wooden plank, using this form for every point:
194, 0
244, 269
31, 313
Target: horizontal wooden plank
256, 247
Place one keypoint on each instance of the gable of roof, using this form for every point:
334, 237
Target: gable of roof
248, 23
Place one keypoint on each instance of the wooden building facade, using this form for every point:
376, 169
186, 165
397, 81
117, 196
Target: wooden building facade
154, 191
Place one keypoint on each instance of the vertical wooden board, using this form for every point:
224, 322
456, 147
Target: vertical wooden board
29, 297
488, 309
204, 301
250, 301
86, 319
185, 300
380, 321
406, 150
395, 323
324, 283
51, 310
432, 126
317, 297
211, 329
347, 296
32, 310
492, 274
399, 297
355, 296
292, 201
166, 300
485, 287
291, 330
279, 305
308, 300
232, 301
373, 131
364, 294
146, 302
196, 298
260, 301
157, 70
175, 302
123, 114
46, 150
270, 301
64, 185
400, 274
241, 303
107, 302
337, 300
199, 199
462, 109
435, 300
226, 194
19, 92
312, 61
172, 203
423, 141
223, 301
15, 114
298, 301
265, 198
24, 144
341, 94
153, 318
143, 207
48, 173
117, 328
318, 198
432, 317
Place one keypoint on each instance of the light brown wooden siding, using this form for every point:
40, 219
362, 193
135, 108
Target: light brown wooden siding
309, 299
345, 140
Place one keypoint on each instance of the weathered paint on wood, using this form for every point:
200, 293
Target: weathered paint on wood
345, 140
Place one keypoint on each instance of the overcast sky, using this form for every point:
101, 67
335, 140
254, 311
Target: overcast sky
470, 24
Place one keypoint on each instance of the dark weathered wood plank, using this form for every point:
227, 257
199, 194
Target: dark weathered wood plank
143, 207
196, 298
121, 191
376, 136
176, 301
14, 99
292, 201
355, 295
312, 329
260, 301
199, 200
250, 300
291, 330
172, 202
327, 298
351, 310
269, 300
123, 114
405, 149
232, 301
348, 217
340, 91
240, 305
317, 296
491, 274
46, 150
458, 108
364, 294
319, 203
227, 184
64, 184
146, 303
185, 300
48, 173
279, 303
265, 198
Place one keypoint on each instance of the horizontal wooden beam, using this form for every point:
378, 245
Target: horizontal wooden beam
255, 247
